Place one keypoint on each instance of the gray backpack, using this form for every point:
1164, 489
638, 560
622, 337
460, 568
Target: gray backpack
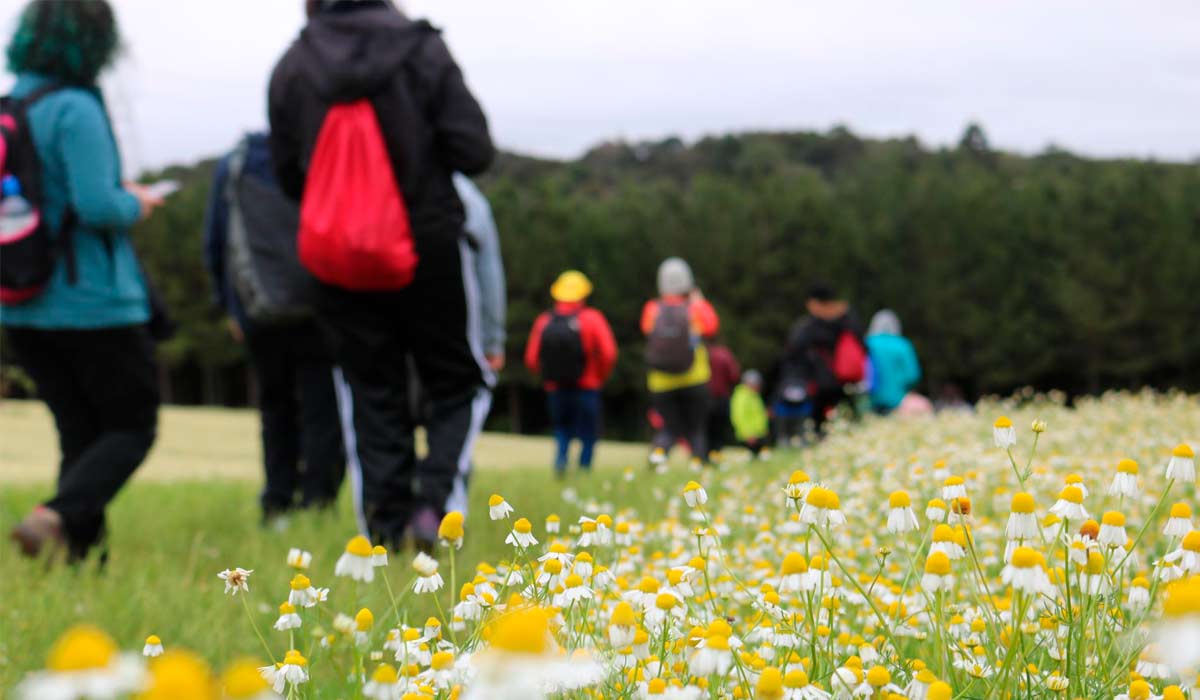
669, 347
264, 264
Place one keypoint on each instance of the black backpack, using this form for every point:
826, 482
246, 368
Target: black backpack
561, 353
669, 347
264, 263
28, 255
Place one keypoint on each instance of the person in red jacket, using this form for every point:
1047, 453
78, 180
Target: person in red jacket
573, 349
726, 374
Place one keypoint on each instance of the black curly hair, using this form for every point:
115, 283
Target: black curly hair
67, 40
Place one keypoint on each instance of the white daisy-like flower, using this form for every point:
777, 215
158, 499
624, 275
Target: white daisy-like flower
293, 671
355, 562
153, 647
553, 524
236, 579
384, 684
1022, 523
288, 619
901, 518
1112, 530
935, 510
498, 508
1069, 505
1027, 572
1187, 557
712, 659
1125, 481
302, 593
938, 576
428, 578
379, 556
521, 535
1179, 523
694, 494
1003, 433
1182, 465
299, 559
953, 487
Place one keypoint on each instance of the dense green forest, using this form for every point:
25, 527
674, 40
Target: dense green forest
1054, 271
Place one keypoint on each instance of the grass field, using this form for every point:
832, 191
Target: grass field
192, 513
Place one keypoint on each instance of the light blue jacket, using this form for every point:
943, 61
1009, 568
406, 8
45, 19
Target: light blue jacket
489, 265
81, 167
896, 369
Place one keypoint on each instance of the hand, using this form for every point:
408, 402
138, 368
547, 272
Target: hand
495, 361
147, 201
235, 330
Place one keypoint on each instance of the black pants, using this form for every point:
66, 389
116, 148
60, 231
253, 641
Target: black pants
719, 428
301, 435
436, 321
685, 416
102, 388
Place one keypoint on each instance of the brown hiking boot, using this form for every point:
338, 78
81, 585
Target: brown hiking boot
40, 531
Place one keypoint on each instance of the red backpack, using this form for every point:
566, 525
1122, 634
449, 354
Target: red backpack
849, 359
354, 227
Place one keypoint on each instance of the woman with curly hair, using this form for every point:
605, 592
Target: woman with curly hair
83, 339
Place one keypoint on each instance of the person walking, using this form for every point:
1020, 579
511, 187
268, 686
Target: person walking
748, 413
894, 360
303, 460
823, 355
364, 72
678, 369
725, 376
84, 338
573, 349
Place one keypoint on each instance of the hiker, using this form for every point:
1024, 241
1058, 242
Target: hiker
748, 413
677, 363
725, 375
824, 354
490, 281
369, 117
250, 252
572, 347
81, 330
895, 369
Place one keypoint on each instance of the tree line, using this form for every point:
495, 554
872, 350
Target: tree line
1053, 271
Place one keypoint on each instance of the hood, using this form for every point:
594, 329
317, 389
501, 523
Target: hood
350, 55
884, 322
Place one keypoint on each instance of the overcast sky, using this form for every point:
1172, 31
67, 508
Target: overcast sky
1099, 77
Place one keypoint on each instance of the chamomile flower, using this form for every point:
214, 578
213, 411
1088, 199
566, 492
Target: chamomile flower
1125, 481
293, 672
1069, 505
1179, 522
622, 625
797, 687
793, 574
379, 556
243, 681
1003, 433
937, 576
584, 565
797, 487
302, 593
521, 536
694, 494
288, 619
1188, 554
450, 531
1022, 523
1112, 529
712, 659
553, 524
1026, 572
901, 518
236, 579
935, 510
1182, 465
153, 647
946, 541
428, 579
299, 559
1074, 479
355, 562
384, 684
574, 591
498, 508
364, 620
1139, 594
953, 487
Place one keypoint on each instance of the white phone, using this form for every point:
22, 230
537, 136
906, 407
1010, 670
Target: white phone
163, 188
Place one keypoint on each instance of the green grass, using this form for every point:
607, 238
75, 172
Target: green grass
169, 540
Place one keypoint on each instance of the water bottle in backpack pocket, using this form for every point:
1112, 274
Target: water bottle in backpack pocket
670, 347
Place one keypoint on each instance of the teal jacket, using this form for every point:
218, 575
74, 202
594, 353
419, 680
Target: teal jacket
896, 369
82, 167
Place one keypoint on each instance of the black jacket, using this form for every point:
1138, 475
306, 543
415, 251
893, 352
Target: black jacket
431, 122
810, 344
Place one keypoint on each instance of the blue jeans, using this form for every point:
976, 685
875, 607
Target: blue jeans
576, 416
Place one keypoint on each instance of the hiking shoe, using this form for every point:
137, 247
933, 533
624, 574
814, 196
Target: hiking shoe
40, 531
424, 529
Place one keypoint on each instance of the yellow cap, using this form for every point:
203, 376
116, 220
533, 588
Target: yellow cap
571, 286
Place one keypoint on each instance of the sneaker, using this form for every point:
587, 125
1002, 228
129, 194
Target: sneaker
424, 529
40, 531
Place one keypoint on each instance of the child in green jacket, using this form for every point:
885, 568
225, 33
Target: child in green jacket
749, 414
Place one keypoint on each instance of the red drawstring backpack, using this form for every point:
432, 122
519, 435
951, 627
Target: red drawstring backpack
849, 359
354, 226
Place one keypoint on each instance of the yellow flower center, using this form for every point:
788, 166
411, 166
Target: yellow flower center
938, 564
604, 519
379, 550
1095, 562
657, 686
1071, 494
359, 546
1191, 541
524, 630
953, 480
552, 518
553, 566
179, 675
588, 526
523, 526
495, 500
1139, 690
1025, 558
718, 641
1127, 466
1181, 510
665, 601
385, 675
794, 563
1003, 422
943, 533
798, 477
294, 658
364, 620
878, 676
301, 582
939, 690
451, 528
899, 499
691, 486
1183, 450
1114, 518
1022, 503
82, 647
770, 683
284, 609
153, 640
442, 660
622, 615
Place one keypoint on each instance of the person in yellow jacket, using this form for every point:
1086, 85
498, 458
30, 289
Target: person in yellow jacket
748, 413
